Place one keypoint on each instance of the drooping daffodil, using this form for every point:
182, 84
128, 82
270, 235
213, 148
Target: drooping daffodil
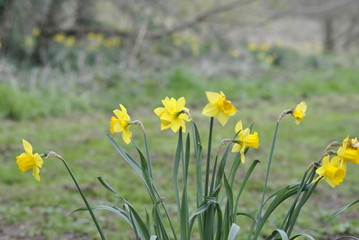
331, 171
349, 151
244, 139
299, 112
28, 160
121, 123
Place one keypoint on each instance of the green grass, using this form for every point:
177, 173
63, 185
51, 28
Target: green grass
73, 121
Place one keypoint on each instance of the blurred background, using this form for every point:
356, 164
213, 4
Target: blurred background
65, 65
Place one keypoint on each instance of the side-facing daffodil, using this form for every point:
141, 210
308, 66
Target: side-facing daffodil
28, 160
299, 112
219, 107
174, 114
331, 171
121, 123
244, 139
349, 151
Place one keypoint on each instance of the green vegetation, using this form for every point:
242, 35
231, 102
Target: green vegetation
72, 118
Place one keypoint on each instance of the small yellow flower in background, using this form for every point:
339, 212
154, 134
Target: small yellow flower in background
252, 47
177, 40
219, 107
28, 41
331, 171
70, 41
59, 37
28, 160
349, 151
172, 115
264, 47
121, 123
261, 56
244, 139
270, 59
299, 112
234, 52
35, 32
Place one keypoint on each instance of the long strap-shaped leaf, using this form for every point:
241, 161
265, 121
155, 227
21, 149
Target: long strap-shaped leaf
126, 156
118, 211
336, 213
233, 232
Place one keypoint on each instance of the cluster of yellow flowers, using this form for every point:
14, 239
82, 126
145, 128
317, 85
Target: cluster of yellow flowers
174, 115
192, 40
262, 51
68, 41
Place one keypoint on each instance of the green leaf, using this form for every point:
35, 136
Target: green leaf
348, 237
304, 235
233, 232
202, 208
282, 234
244, 183
126, 156
118, 211
141, 228
109, 188
247, 215
176, 163
222, 165
336, 213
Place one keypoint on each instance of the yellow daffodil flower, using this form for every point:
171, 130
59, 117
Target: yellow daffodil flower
299, 112
172, 115
349, 151
35, 32
244, 139
219, 107
28, 160
59, 37
331, 171
121, 123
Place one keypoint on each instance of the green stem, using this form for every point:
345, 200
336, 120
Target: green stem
148, 155
86, 202
259, 216
208, 165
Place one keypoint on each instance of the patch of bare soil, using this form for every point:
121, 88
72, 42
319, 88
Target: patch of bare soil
18, 231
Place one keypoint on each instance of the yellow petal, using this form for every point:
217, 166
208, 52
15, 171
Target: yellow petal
27, 146
123, 109
213, 97
181, 102
159, 111
126, 136
118, 113
210, 110
222, 118
38, 160
236, 147
239, 126
303, 107
35, 173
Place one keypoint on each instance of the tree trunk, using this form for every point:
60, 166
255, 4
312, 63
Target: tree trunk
39, 53
328, 29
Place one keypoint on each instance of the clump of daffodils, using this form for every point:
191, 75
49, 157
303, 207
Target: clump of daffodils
217, 194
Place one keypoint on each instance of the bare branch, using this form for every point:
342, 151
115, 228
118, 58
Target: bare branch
81, 30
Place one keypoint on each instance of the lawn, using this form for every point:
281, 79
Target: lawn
32, 210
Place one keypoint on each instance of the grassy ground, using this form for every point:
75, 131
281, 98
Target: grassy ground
32, 210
